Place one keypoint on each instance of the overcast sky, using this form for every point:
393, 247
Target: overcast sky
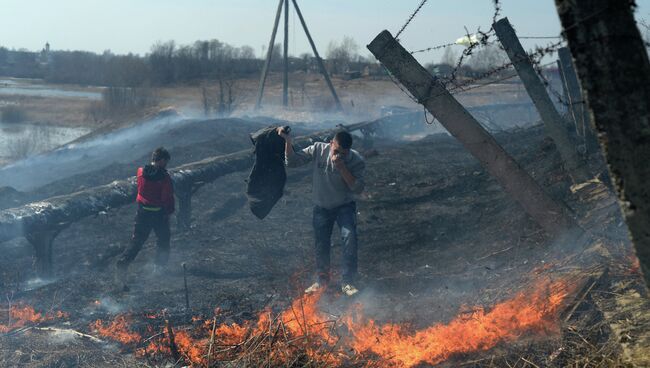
125, 26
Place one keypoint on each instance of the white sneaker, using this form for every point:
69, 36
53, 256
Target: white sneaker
313, 288
349, 290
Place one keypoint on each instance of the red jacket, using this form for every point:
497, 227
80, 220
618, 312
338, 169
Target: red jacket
155, 188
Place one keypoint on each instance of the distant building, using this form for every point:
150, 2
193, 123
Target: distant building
44, 57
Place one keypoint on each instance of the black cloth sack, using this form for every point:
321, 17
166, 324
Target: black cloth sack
268, 177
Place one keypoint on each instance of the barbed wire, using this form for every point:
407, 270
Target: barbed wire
459, 88
538, 37
497, 10
548, 85
484, 39
399, 85
434, 48
408, 21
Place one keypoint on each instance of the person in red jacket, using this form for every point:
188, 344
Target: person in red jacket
155, 204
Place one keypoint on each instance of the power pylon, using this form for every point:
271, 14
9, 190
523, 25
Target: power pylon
269, 53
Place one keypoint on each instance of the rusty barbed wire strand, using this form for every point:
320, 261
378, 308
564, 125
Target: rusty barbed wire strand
547, 84
538, 37
434, 48
540, 52
408, 21
483, 39
497, 10
495, 81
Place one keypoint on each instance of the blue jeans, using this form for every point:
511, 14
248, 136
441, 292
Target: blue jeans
346, 218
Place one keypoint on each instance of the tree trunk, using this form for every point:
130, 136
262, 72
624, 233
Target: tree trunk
612, 65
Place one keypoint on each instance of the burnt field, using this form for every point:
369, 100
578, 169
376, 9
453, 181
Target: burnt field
453, 273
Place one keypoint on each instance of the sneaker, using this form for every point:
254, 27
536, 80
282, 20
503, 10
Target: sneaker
349, 289
313, 288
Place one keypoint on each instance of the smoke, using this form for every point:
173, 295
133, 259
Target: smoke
62, 337
90, 154
105, 304
37, 283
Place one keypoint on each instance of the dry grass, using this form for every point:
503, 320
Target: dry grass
361, 99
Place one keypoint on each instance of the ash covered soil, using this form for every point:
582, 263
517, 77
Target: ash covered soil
437, 234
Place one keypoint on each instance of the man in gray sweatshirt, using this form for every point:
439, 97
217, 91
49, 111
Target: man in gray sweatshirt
337, 178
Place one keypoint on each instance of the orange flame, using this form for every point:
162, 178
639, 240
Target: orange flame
482, 330
21, 316
117, 330
302, 318
303, 329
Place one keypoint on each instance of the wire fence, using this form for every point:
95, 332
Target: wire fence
475, 41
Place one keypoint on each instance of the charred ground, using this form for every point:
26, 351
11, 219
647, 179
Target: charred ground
437, 235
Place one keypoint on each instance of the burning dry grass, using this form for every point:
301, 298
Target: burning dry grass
117, 330
302, 335
19, 316
534, 311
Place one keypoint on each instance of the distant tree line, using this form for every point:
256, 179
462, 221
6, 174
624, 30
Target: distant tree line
166, 63
169, 63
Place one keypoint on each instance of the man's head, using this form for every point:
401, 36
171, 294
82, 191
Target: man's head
341, 143
160, 157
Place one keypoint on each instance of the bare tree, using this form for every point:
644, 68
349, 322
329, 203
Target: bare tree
487, 57
341, 54
449, 57
247, 52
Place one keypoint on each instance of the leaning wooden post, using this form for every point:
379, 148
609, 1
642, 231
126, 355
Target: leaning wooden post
550, 215
612, 64
285, 57
321, 66
269, 55
553, 121
578, 106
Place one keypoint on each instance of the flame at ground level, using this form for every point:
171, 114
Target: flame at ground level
21, 316
303, 332
534, 311
117, 330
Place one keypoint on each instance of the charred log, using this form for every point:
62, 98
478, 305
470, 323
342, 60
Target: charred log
40, 222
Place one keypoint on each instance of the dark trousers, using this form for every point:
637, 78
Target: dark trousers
345, 217
145, 221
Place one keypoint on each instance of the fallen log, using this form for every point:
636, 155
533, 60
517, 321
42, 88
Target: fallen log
40, 222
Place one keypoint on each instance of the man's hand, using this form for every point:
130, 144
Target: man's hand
283, 134
337, 160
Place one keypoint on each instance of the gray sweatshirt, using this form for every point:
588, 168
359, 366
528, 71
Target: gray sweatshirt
330, 190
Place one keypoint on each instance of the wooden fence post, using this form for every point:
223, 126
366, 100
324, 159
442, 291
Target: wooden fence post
578, 105
552, 216
553, 121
